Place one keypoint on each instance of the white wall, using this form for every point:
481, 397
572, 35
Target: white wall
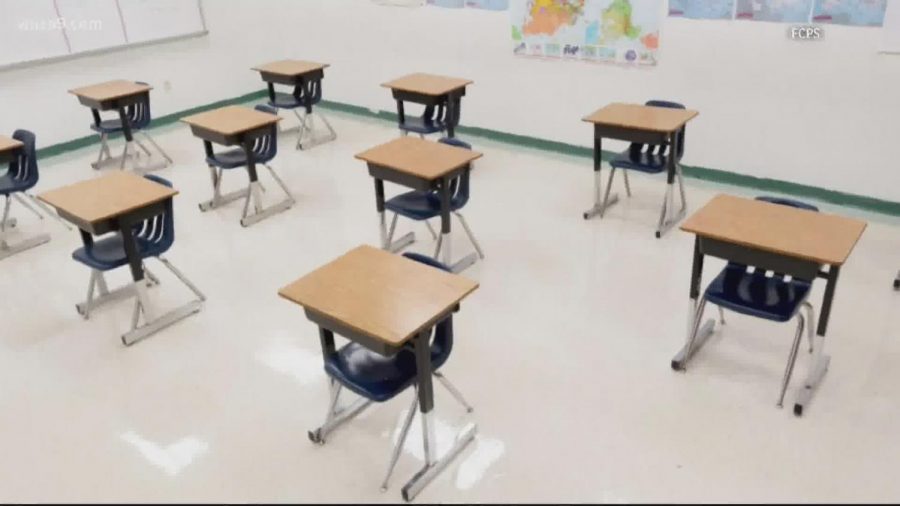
820, 113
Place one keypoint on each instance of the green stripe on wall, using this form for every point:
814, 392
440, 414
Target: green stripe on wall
701, 173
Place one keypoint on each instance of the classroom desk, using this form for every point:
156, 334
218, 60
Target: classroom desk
298, 73
230, 126
113, 95
774, 237
8, 148
641, 124
430, 90
383, 302
424, 166
117, 202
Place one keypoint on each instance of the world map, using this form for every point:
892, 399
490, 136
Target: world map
622, 31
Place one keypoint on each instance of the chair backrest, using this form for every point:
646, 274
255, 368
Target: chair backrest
139, 113
442, 344
158, 231
636, 148
266, 147
459, 186
23, 167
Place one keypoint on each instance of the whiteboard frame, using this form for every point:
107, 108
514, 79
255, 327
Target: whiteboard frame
113, 49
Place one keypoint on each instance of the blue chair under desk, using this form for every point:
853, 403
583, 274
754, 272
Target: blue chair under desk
397, 344
426, 205
305, 78
21, 176
657, 132
134, 117
124, 219
264, 149
773, 256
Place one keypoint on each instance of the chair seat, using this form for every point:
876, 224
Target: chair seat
419, 206
109, 253
109, 126
420, 125
375, 376
8, 185
755, 294
228, 159
644, 162
289, 101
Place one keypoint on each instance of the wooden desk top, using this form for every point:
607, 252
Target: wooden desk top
107, 196
798, 233
420, 158
110, 90
642, 117
231, 120
8, 143
379, 294
427, 84
290, 68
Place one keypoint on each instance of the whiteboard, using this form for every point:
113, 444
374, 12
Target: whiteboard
36, 30
890, 33
28, 31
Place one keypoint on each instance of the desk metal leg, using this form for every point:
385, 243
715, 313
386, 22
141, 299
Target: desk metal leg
821, 360
446, 240
599, 206
668, 217
433, 465
697, 335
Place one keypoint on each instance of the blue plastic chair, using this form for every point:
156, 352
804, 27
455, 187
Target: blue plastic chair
433, 120
423, 206
138, 117
265, 149
770, 296
377, 378
154, 237
21, 175
650, 159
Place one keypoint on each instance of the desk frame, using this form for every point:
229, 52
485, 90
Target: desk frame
118, 104
253, 193
452, 100
383, 173
622, 133
306, 81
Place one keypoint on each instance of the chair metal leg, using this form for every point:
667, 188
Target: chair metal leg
254, 194
721, 315
336, 417
470, 234
792, 359
155, 145
404, 431
453, 391
7, 249
180, 275
47, 210
437, 248
85, 309
603, 207
431, 230
627, 183
280, 182
152, 277
434, 466
665, 220
696, 338
27, 205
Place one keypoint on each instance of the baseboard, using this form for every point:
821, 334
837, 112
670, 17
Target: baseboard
871, 204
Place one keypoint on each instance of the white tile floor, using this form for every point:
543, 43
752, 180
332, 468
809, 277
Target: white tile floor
564, 351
